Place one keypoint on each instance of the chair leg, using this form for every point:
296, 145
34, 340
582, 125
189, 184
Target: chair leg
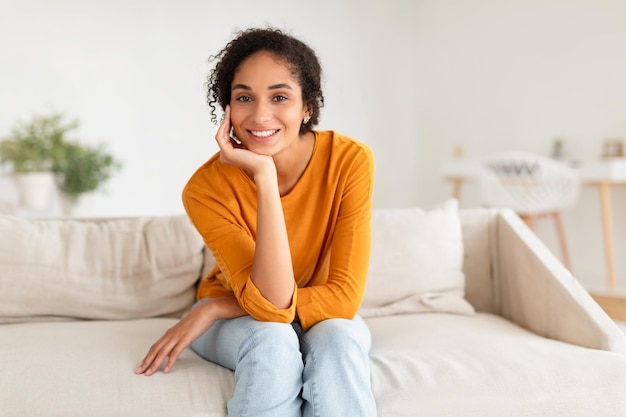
556, 216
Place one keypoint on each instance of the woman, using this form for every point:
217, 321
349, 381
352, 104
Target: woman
286, 212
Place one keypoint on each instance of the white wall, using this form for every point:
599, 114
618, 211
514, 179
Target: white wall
413, 79
134, 73
515, 75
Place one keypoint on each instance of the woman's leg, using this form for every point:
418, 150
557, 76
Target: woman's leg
337, 369
267, 362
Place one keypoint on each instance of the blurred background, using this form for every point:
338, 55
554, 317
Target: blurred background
419, 81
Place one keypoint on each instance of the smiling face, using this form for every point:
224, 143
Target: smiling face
266, 105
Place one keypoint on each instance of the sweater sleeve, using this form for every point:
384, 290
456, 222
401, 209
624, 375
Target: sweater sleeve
233, 247
341, 295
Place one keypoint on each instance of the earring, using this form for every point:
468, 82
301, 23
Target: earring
306, 119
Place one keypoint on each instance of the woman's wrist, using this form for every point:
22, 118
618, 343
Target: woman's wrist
222, 308
265, 173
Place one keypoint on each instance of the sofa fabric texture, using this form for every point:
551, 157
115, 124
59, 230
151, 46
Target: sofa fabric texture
111, 269
504, 331
447, 365
418, 262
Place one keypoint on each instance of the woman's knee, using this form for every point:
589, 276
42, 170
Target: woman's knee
227, 342
340, 335
278, 341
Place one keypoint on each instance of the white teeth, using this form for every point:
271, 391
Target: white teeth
263, 133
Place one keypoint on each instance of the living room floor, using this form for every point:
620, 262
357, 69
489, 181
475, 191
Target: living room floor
613, 301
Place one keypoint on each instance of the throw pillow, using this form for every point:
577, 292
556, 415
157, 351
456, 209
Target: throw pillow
416, 262
97, 268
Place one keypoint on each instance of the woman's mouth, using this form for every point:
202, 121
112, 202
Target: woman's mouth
263, 134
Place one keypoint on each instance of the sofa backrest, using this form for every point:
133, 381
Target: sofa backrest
142, 267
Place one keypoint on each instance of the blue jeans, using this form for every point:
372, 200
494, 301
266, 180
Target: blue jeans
283, 371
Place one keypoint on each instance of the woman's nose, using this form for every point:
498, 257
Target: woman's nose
262, 112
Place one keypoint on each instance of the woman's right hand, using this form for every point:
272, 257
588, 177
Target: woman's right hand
188, 329
176, 339
237, 155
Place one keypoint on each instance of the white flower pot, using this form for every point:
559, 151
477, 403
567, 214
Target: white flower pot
76, 206
34, 189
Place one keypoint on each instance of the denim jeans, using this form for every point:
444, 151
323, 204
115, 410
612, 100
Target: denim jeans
283, 371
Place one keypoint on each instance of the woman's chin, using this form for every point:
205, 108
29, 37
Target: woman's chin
260, 148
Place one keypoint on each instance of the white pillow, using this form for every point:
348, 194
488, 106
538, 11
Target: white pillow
97, 268
416, 262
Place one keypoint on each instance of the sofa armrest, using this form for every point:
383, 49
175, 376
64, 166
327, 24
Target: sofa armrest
533, 289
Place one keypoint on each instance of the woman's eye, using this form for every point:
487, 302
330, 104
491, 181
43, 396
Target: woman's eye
280, 98
244, 99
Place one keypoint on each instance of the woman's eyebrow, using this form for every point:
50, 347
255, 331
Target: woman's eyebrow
241, 87
271, 87
279, 86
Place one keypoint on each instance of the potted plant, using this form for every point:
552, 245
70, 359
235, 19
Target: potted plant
79, 171
32, 149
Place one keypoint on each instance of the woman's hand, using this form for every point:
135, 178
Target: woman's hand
237, 155
188, 329
176, 339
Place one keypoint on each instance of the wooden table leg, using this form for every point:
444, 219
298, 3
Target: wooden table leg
529, 220
556, 216
456, 188
607, 221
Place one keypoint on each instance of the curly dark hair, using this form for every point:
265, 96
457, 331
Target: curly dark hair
299, 58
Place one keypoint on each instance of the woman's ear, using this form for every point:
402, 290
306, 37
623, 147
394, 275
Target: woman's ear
307, 115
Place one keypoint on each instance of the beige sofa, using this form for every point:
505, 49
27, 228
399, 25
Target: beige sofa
82, 300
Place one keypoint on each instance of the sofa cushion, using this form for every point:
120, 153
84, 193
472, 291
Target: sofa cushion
430, 365
443, 365
97, 268
416, 262
86, 368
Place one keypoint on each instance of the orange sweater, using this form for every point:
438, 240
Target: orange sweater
328, 219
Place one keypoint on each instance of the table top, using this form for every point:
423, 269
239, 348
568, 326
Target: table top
592, 171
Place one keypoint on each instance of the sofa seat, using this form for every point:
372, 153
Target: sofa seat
443, 365
86, 368
430, 364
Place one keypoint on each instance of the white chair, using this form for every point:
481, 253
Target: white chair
532, 185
